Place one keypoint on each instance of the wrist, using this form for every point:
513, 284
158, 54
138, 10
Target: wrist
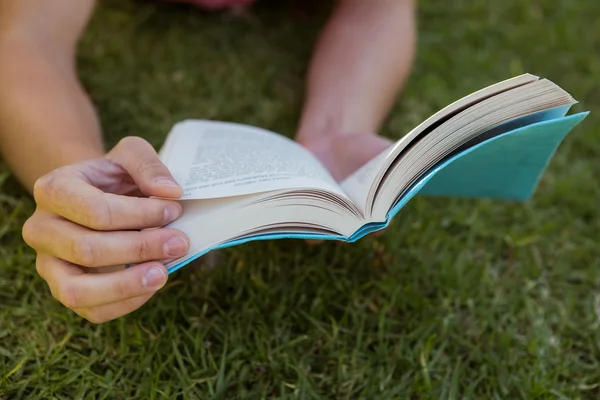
316, 124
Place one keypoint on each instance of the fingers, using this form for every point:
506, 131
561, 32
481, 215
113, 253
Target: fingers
354, 151
142, 163
78, 290
109, 312
71, 191
66, 192
90, 248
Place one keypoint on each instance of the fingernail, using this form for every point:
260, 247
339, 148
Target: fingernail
166, 181
172, 212
154, 277
176, 246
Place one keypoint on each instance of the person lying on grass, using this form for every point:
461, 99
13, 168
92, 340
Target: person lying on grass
92, 204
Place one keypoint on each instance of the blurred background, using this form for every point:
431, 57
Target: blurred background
459, 299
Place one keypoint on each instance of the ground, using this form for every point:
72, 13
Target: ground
460, 299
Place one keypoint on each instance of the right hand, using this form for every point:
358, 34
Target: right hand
94, 214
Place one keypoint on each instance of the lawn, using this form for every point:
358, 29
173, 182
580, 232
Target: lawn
460, 299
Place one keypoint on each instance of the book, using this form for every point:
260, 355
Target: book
243, 183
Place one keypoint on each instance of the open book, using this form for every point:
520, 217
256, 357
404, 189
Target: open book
244, 183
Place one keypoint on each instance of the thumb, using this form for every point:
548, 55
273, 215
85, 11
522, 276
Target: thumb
142, 163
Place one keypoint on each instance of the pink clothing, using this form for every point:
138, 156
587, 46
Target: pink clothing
217, 4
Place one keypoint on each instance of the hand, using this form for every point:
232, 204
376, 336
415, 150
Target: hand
89, 216
343, 154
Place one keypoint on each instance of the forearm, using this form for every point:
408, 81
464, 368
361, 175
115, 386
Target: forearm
46, 119
359, 64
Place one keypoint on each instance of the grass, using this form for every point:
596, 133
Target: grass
461, 299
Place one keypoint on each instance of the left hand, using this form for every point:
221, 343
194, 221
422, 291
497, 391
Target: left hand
343, 154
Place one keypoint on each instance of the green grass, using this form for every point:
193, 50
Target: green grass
461, 299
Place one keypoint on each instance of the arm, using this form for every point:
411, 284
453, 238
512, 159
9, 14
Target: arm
43, 109
359, 65
92, 207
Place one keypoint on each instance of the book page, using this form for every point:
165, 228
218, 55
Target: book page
357, 185
362, 186
218, 159
479, 120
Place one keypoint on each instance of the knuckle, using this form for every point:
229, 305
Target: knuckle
130, 141
30, 231
96, 214
144, 249
44, 186
133, 144
123, 289
83, 251
40, 268
68, 295
149, 166
153, 215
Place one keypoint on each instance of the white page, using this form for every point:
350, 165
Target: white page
212, 159
248, 215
